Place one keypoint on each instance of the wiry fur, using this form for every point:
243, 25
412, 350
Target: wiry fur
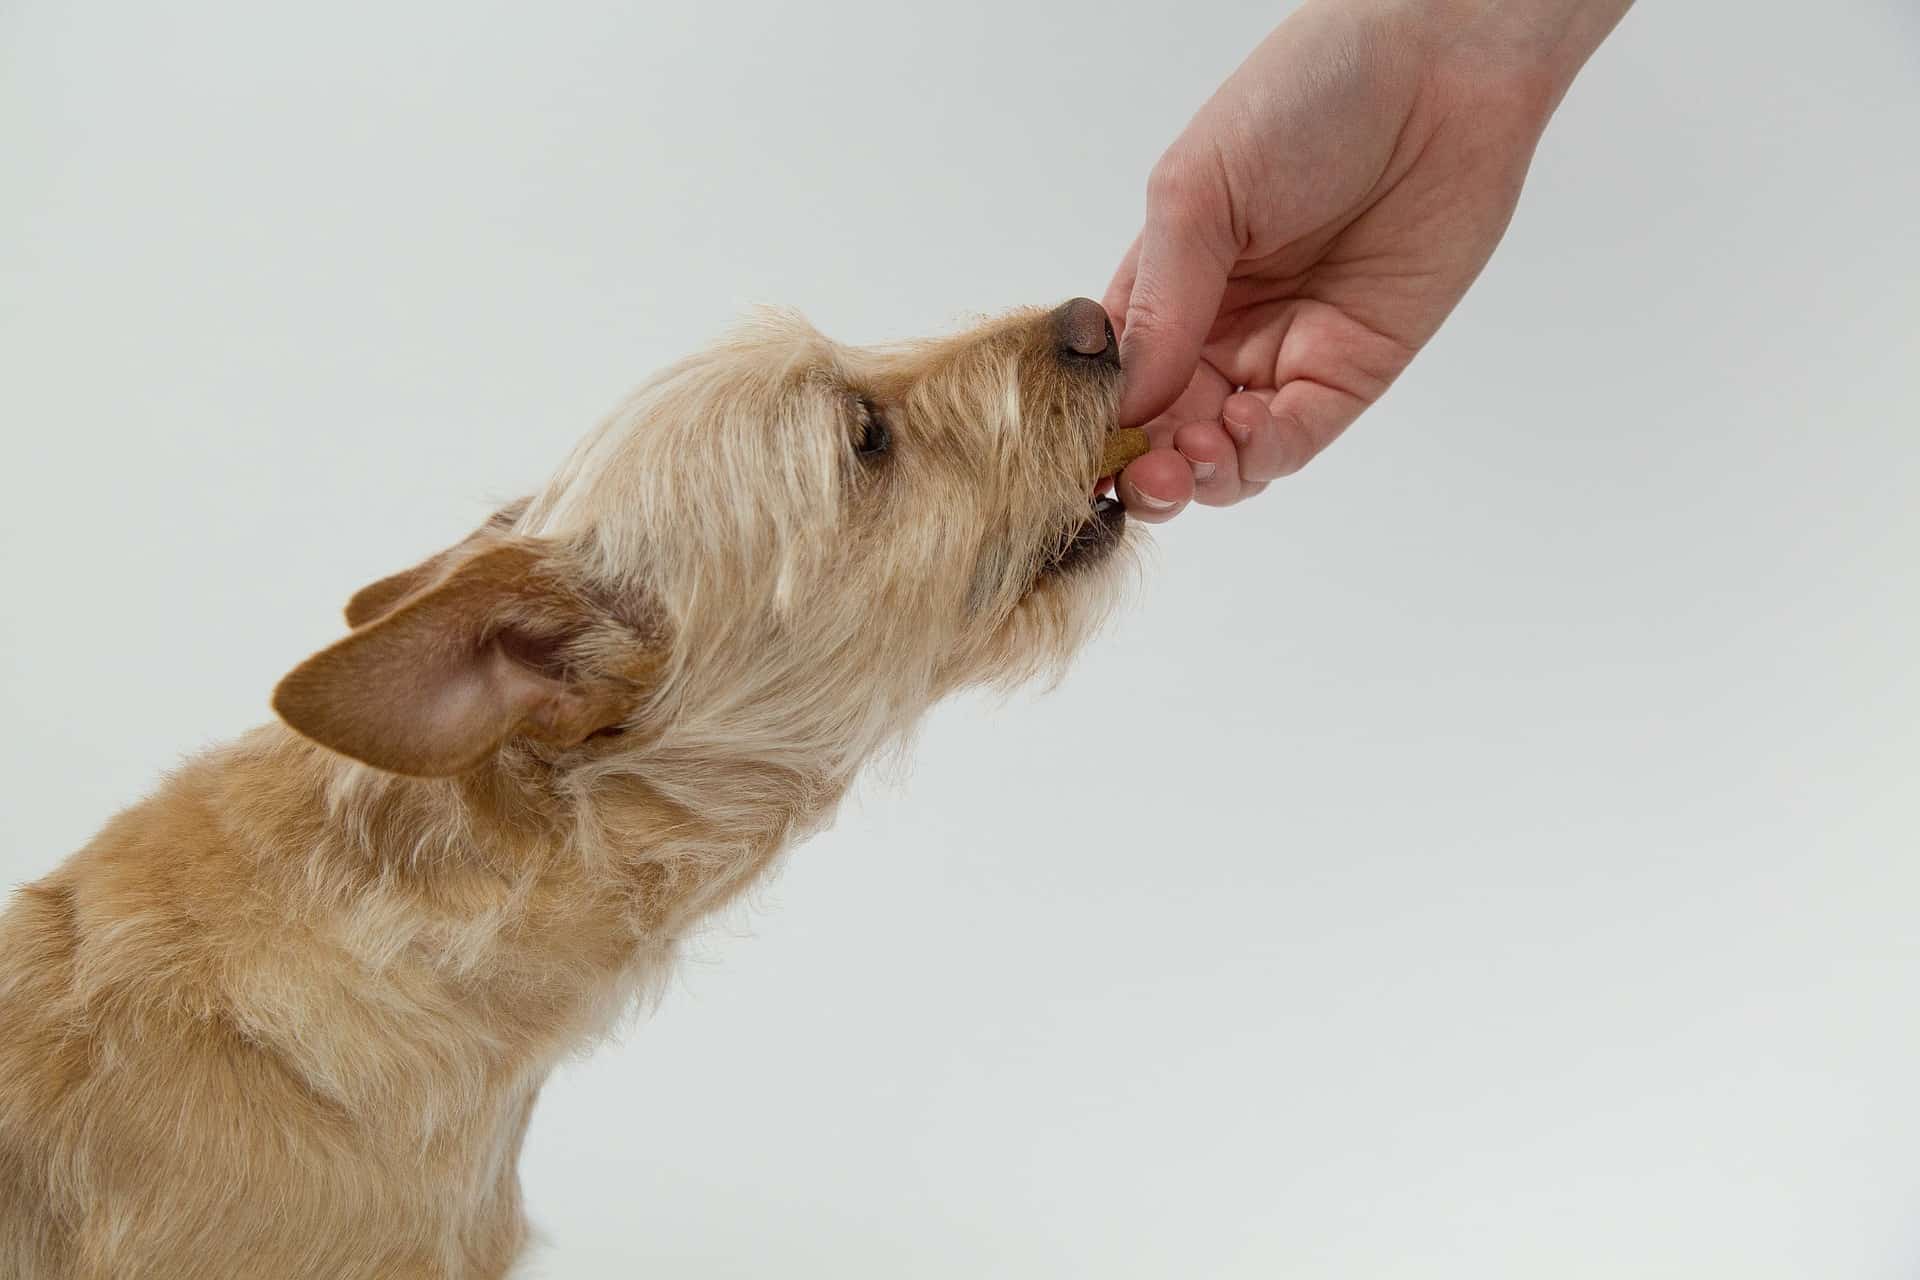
287, 1017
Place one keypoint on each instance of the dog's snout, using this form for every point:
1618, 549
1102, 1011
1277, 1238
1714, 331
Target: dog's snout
1084, 331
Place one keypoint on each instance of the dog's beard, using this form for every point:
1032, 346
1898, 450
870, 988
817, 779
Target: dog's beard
1066, 592
1092, 541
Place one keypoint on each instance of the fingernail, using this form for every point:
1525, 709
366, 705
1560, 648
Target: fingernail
1240, 431
1152, 503
1203, 471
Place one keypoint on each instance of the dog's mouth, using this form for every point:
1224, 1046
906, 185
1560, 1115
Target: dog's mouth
1096, 537
1093, 540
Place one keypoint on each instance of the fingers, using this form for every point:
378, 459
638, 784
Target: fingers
1260, 437
1304, 417
1268, 434
1263, 454
1214, 462
1234, 457
1156, 486
1179, 272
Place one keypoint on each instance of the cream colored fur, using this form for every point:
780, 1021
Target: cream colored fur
287, 1017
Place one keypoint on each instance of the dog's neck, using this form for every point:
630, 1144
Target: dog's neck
479, 928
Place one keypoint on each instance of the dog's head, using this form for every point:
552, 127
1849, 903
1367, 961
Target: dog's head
781, 548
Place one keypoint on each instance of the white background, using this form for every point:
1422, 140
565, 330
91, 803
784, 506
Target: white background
1492, 853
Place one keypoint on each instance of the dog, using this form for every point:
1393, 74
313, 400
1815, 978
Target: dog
287, 1017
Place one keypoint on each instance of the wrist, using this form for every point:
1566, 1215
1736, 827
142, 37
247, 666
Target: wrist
1534, 47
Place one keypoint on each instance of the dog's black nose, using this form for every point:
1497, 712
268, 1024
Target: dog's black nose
1085, 332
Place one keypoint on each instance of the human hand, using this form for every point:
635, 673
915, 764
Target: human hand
1318, 219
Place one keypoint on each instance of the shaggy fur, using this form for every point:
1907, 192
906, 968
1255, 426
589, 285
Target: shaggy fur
288, 1016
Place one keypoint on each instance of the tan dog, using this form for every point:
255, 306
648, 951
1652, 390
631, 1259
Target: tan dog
287, 1017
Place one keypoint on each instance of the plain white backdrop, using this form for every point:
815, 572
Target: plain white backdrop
1494, 852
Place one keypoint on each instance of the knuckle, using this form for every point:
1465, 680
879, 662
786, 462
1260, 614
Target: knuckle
1179, 187
1167, 176
1201, 441
1282, 449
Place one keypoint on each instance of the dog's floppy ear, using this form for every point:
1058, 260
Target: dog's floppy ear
380, 597
500, 646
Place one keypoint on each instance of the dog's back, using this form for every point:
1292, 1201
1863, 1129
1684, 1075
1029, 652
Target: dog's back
41, 1065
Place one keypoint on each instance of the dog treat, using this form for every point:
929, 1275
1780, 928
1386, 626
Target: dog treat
1123, 446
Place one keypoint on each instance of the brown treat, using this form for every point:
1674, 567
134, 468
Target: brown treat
1123, 446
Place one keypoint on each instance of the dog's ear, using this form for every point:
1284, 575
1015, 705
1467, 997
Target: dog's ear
379, 598
500, 646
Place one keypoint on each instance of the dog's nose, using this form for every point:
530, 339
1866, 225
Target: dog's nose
1084, 331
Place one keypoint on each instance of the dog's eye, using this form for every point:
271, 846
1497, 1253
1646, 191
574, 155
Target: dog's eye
875, 436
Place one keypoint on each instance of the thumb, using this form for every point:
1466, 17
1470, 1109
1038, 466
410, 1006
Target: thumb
1185, 253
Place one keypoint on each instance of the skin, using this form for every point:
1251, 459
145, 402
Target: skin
1317, 221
